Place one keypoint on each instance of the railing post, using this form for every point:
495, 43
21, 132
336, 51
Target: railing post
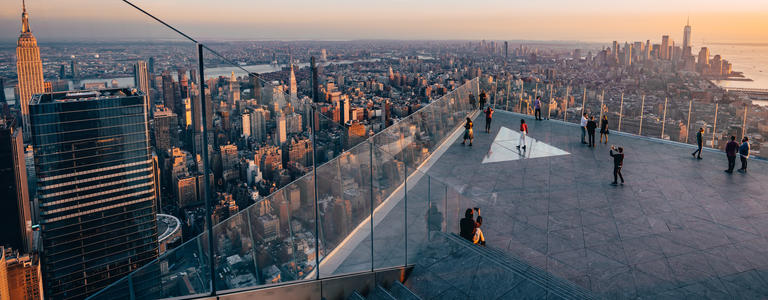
206, 171
602, 105
314, 187
567, 97
584, 102
445, 209
714, 128
405, 211
506, 97
642, 110
664, 118
688, 125
744, 125
520, 103
549, 111
621, 111
372, 201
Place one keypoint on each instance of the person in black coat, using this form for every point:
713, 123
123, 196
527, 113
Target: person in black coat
467, 225
618, 162
591, 125
699, 143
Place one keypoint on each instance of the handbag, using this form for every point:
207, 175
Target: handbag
607, 131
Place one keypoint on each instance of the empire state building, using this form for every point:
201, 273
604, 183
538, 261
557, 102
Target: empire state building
29, 68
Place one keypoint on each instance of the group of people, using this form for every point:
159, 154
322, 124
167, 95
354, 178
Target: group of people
469, 132
469, 227
732, 149
588, 126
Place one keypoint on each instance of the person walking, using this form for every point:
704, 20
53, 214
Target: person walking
488, 119
591, 125
618, 162
744, 154
523, 133
468, 133
537, 108
483, 99
730, 151
604, 129
699, 143
583, 127
467, 225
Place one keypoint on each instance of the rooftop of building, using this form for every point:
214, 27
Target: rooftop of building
167, 225
679, 227
85, 95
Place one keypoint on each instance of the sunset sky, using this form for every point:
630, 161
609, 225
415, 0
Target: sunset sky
586, 20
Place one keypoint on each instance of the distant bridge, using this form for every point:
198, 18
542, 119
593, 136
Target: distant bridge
747, 90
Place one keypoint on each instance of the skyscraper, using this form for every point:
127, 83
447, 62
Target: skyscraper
281, 135
506, 49
665, 47
15, 215
141, 82
95, 186
29, 68
687, 39
2, 91
293, 88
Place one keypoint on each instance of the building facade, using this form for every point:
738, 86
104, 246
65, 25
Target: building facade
95, 186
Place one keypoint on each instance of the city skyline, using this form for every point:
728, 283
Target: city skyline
738, 22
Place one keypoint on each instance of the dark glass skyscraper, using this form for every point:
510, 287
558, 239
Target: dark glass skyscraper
15, 216
95, 186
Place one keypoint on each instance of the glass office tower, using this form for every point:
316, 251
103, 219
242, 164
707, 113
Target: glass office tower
95, 186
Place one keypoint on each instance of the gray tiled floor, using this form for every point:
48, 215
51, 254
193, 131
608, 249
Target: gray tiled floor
679, 227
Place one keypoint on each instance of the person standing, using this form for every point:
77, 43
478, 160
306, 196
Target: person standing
730, 151
468, 134
488, 118
483, 99
523, 133
618, 162
472, 101
583, 127
591, 125
537, 107
604, 129
744, 154
699, 143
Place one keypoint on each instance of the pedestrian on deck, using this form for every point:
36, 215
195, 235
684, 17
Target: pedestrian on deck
618, 162
537, 107
479, 238
604, 129
488, 119
744, 154
583, 127
483, 99
523, 133
591, 126
467, 225
468, 133
730, 151
699, 143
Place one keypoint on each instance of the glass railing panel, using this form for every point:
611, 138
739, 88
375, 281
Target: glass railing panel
344, 203
302, 226
270, 259
425, 212
236, 253
389, 173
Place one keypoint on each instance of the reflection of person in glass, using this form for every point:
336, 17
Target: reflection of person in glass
434, 219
